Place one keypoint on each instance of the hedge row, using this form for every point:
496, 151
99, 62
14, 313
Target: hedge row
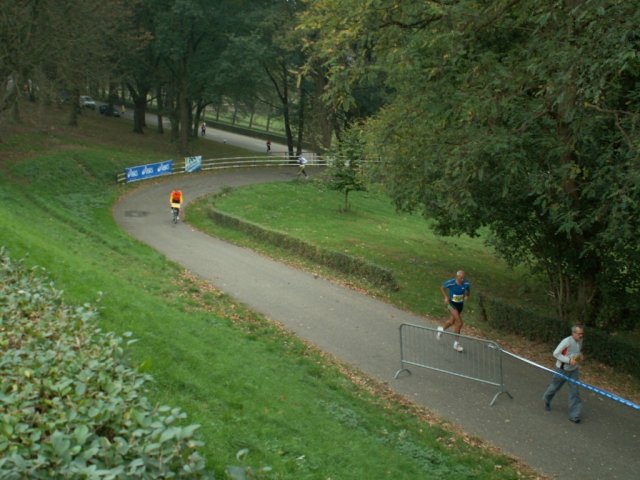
598, 344
341, 262
69, 407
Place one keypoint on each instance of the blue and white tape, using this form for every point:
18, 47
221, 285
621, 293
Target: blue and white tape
586, 386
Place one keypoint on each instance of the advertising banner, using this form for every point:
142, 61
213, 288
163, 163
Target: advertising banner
192, 164
142, 172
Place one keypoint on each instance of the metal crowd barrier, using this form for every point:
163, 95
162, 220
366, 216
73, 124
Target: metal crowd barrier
481, 360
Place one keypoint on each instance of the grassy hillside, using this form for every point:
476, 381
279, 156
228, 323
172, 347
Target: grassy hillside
406, 245
373, 230
263, 398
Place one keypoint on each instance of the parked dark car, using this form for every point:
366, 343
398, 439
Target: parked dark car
109, 111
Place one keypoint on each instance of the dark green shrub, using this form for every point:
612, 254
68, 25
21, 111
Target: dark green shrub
600, 345
511, 318
612, 350
69, 407
339, 261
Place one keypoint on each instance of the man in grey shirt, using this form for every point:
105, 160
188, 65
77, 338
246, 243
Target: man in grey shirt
567, 355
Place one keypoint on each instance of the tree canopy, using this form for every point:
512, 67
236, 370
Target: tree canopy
185, 54
47, 47
519, 116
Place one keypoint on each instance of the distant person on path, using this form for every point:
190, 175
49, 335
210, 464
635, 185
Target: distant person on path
268, 147
455, 291
203, 129
302, 162
568, 355
122, 109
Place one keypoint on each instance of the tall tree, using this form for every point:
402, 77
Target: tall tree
340, 53
21, 49
138, 63
188, 36
276, 45
46, 47
79, 58
346, 173
281, 60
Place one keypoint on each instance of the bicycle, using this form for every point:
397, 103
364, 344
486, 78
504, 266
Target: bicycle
175, 210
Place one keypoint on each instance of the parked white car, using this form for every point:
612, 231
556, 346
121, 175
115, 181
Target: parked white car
87, 102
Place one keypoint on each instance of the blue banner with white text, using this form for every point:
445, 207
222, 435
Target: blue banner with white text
142, 172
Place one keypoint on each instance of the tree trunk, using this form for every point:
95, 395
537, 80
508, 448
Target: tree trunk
287, 127
15, 107
139, 114
160, 105
172, 109
74, 108
579, 289
576, 298
283, 93
302, 100
139, 97
325, 117
285, 111
198, 117
184, 108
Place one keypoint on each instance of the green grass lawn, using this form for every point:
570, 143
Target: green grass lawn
373, 230
250, 385
405, 244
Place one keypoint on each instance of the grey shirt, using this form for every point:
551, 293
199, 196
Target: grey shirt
565, 350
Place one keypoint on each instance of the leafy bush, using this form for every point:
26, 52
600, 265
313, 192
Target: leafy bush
600, 345
69, 407
346, 173
339, 261
511, 318
613, 350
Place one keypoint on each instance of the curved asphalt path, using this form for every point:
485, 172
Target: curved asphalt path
364, 333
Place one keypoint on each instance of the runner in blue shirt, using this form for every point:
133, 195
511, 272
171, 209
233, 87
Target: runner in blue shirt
455, 291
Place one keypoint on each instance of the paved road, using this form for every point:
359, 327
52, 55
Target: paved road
221, 136
364, 332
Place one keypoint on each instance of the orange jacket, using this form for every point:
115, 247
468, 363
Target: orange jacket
176, 197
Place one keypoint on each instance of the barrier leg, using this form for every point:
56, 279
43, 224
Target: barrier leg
495, 397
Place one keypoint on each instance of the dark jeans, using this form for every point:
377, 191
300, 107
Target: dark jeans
575, 404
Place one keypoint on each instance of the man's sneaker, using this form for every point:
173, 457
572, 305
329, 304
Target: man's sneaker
575, 420
547, 406
439, 334
457, 347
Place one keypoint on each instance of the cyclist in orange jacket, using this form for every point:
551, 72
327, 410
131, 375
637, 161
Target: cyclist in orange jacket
175, 200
